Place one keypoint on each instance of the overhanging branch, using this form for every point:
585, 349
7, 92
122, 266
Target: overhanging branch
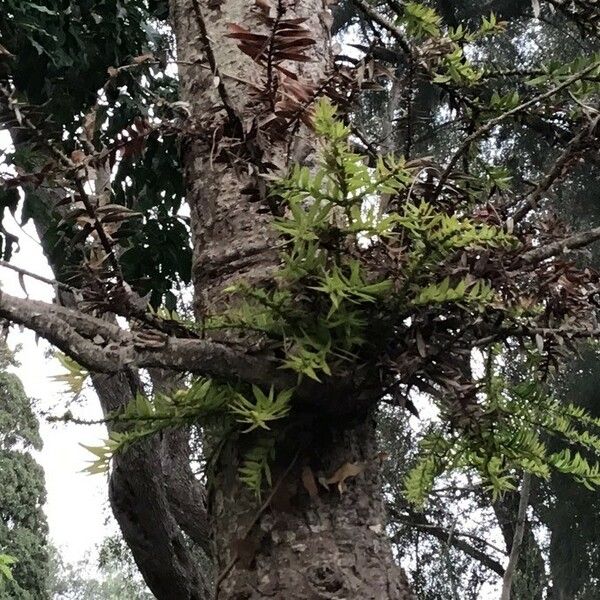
421, 523
106, 348
577, 240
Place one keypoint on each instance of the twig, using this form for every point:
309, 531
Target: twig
441, 533
26, 273
517, 539
234, 120
558, 170
396, 32
577, 240
270, 54
78, 179
487, 127
114, 263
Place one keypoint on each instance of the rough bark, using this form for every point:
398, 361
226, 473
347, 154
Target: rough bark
143, 499
185, 493
294, 547
140, 504
301, 548
232, 238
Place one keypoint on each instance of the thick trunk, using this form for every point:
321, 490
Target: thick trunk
142, 505
139, 502
295, 546
232, 238
298, 547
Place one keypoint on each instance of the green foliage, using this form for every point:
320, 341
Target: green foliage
23, 527
265, 408
422, 21
63, 52
463, 292
516, 422
326, 296
327, 292
111, 575
521, 154
6, 563
208, 403
143, 416
18, 423
74, 377
255, 470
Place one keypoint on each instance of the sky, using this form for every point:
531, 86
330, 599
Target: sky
76, 505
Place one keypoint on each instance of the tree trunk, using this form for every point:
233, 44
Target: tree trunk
305, 543
295, 546
531, 579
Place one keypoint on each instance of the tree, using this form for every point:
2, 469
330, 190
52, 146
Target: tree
23, 527
553, 39
114, 577
310, 309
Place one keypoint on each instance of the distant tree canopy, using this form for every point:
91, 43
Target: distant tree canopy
111, 576
23, 527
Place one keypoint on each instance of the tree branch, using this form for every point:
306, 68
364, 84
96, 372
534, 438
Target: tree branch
487, 127
518, 538
396, 32
447, 536
76, 334
558, 170
25, 273
577, 240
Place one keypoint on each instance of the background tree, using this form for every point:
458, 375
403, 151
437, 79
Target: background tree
23, 527
554, 36
113, 576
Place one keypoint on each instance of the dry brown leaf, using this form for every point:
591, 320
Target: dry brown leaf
78, 156
346, 471
89, 125
4, 53
309, 482
142, 58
